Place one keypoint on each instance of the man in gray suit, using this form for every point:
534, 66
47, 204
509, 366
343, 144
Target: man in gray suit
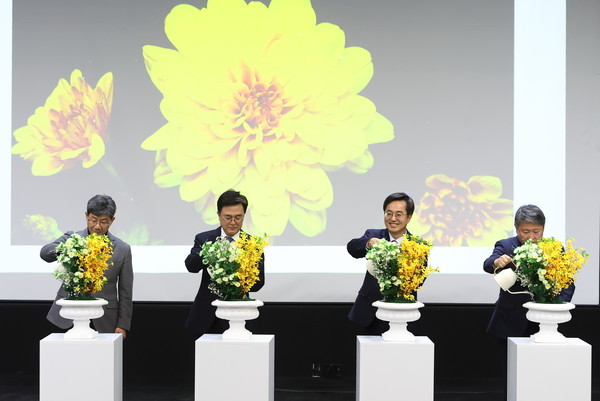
118, 288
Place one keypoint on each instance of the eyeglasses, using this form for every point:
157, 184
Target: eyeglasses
95, 222
397, 215
228, 217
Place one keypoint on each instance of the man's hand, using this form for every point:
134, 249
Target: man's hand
371, 242
501, 262
121, 331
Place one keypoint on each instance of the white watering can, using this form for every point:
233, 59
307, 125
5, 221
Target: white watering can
507, 278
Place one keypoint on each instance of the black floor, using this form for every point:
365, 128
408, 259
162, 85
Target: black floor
26, 388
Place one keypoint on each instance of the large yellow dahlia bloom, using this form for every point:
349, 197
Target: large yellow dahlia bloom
263, 100
459, 213
69, 127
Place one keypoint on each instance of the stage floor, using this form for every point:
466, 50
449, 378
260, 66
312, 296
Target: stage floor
26, 388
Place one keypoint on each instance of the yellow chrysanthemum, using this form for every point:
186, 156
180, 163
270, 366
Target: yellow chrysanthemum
263, 100
459, 213
69, 127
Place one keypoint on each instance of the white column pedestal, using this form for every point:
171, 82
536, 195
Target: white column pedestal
235, 370
548, 371
75, 370
393, 370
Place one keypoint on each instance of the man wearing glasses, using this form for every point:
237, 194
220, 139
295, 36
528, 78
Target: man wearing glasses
398, 209
231, 209
100, 215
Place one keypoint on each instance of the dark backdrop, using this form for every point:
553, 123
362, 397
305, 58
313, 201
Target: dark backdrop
161, 349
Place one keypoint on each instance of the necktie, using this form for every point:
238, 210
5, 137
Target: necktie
229, 239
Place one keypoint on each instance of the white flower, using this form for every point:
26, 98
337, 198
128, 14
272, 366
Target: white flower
59, 269
371, 267
542, 276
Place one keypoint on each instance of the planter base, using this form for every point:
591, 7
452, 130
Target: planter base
237, 312
81, 312
398, 314
548, 316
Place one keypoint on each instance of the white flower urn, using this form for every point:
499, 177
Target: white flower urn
81, 312
398, 314
237, 312
548, 316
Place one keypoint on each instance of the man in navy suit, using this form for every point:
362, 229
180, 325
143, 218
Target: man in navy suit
508, 319
231, 209
398, 209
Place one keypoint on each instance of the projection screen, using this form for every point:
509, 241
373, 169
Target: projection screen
316, 111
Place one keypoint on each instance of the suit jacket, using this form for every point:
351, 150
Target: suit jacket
508, 318
118, 289
202, 313
363, 311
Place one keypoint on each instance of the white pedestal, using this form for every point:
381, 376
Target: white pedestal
235, 370
393, 370
75, 370
546, 371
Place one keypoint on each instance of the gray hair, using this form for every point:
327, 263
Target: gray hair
529, 214
102, 204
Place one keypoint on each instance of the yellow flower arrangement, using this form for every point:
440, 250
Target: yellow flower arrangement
250, 249
82, 263
401, 270
459, 213
70, 126
412, 266
263, 99
95, 261
546, 268
233, 266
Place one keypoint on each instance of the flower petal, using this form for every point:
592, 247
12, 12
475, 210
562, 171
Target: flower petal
46, 165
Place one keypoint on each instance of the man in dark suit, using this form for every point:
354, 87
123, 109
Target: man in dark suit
508, 318
231, 209
118, 288
398, 209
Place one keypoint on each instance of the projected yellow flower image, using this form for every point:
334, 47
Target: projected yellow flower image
459, 213
70, 127
264, 100
42, 226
